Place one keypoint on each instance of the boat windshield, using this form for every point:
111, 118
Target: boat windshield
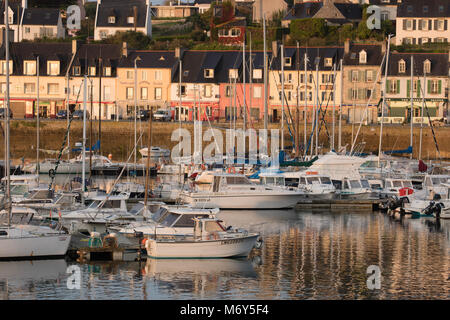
355, 184
237, 180
407, 183
213, 226
397, 184
313, 180
112, 204
19, 189
388, 184
159, 214
437, 181
169, 219
292, 182
365, 184
94, 204
325, 180
187, 220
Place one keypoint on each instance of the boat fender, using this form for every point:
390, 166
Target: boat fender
144, 242
258, 243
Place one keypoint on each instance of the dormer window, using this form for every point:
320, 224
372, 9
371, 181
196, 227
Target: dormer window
130, 19
441, 9
363, 57
208, 73
111, 19
3, 67
425, 9
233, 73
92, 71
107, 71
328, 62
287, 62
427, 66
29, 68
401, 66
76, 70
257, 73
53, 68
409, 9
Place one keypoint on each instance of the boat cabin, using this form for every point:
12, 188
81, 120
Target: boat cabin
224, 181
208, 228
111, 202
173, 219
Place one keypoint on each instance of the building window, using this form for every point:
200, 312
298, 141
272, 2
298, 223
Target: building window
158, 75
369, 75
409, 9
92, 71
111, 19
363, 56
384, 15
106, 92
107, 71
29, 68
328, 62
207, 91
425, 9
208, 73
409, 24
27, 30
440, 40
393, 86
130, 75
103, 34
52, 88
233, 73
257, 73
158, 93
368, 93
183, 90
130, 20
287, 61
235, 32
407, 40
427, 66
441, 9
354, 94
440, 25
53, 68
76, 70
144, 93
434, 86
423, 24
29, 88
228, 91
354, 75
3, 87
425, 40
257, 92
401, 66
130, 92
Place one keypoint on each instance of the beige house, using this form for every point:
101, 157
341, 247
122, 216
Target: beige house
153, 81
362, 81
175, 11
267, 8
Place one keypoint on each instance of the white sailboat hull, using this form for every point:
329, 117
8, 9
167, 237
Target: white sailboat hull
225, 248
63, 167
34, 247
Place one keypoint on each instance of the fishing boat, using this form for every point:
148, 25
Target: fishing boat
235, 191
210, 240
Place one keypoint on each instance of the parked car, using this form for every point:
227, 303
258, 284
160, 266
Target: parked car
143, 115
162, 115
78, 114
2, 113
62, 114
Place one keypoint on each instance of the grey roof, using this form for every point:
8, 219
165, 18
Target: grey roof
439, 64
34, 16
149, 59
336, 53
415, 8
374, 55
89, 54
384, 3
305, 10
121, 10
20, 51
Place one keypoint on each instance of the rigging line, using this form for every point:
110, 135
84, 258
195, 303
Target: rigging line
370, 98
64, 143
422, 89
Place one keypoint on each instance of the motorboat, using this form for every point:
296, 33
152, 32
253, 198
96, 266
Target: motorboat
392, 187
354, 188
235, 191
313, 184
155, 152
211, 239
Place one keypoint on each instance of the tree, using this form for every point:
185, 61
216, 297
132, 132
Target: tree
135, 40
303, 29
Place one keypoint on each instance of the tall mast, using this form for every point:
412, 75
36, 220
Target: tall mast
266, 109
245, 96
334, 107
384, 99
7, 168
250, 73
282, 96
100, 63
179, 108
149, 143
83, 176
37, 119
317, 106
67, 114
340, 106
305, 115
412, 104
421, 113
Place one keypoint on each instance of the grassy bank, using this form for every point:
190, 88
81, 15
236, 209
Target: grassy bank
118, 137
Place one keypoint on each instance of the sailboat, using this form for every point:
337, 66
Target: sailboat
21, 240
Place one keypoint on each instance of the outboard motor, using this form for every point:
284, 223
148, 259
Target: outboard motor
433, 207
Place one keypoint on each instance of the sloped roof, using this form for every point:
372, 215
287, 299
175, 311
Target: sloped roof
415, 8
121, 10
149, 59
374, 55
439, 64
336, 53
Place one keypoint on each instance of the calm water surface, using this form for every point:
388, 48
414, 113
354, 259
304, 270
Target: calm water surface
305, 255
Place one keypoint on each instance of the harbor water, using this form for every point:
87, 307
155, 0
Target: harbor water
304, 255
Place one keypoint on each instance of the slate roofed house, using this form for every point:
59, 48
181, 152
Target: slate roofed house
423, 21
333, 13
114, 16
31, 23
232, 32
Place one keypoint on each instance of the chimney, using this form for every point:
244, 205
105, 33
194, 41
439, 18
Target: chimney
24, 4
347, 46
124, 49
135, 13
74, 46
383, 47
275, 48
177, 52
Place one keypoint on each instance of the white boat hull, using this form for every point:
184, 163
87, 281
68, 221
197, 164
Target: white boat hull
242, 201
34, 247
225, 248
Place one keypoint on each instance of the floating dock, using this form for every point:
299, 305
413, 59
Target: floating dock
339, 204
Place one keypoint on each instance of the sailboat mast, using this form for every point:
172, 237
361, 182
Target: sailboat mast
305, 114
38, 118
100, 63
282, 97
340, 106
421, 113
83, 174
7, 167
245, 96
149, 143
334, 107
412, 104
317, 107
266, 109
384, 100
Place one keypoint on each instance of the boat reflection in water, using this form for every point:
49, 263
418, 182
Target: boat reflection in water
32, 279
